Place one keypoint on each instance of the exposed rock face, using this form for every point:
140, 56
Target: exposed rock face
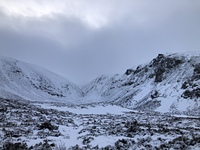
162, 65
195, 93
197, 69
129, 71
192, 84
164, 84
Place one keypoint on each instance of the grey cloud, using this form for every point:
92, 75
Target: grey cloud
70, 47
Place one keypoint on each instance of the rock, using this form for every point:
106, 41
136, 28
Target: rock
191, 93
47, 125
159, 74
129, 71
197, 69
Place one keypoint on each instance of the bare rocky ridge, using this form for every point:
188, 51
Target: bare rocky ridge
169, 82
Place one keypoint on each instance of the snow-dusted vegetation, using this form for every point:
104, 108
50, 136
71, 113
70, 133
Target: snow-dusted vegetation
27, 125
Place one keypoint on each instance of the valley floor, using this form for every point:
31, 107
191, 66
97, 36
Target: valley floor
48, 126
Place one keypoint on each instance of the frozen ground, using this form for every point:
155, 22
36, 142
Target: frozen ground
39, 126
89, 109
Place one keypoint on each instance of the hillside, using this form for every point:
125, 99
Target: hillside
167, 83
42, 110
21, 80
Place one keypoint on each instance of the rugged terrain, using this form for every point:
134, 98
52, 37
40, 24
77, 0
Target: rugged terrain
169, 83
40, 126
153, 106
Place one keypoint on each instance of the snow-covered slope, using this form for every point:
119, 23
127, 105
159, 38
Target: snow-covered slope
96, 90
169, 82
19, 80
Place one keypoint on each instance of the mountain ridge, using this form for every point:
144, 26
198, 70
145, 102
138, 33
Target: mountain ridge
33, 82
168, 83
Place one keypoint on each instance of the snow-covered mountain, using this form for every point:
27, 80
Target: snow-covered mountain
19, 80
169, 82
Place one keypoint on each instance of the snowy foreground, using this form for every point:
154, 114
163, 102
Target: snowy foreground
49, 126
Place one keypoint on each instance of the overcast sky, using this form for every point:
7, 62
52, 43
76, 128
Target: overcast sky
82, 39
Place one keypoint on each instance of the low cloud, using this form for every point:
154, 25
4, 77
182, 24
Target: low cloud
82, 39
